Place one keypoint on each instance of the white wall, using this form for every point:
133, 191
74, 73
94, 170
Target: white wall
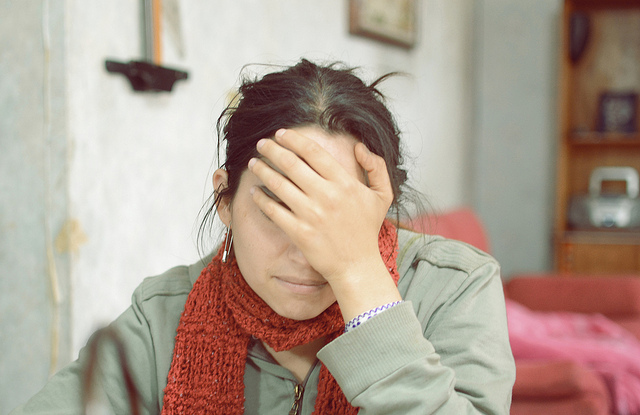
516, 67
33, 199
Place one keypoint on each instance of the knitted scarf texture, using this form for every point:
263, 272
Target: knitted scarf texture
221, 314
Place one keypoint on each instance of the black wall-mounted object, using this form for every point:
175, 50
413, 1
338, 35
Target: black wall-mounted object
146, 76
579, 32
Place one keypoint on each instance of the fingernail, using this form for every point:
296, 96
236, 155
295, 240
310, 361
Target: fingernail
280, 132
261, 143
252, 162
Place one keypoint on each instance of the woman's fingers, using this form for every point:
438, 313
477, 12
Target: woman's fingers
288, 164
274, 210
314, 155
281, 214
377, 173
295, 166
277, 187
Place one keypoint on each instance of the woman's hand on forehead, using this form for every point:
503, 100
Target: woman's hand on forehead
330, 214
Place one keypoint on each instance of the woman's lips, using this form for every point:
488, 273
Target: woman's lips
301, 286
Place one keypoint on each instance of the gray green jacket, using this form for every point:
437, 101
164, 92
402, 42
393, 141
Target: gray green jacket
445, 350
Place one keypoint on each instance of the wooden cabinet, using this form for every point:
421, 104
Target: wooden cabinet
593, 131
597, 255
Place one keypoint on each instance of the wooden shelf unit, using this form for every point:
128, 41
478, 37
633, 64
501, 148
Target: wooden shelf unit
610, 62
604, 140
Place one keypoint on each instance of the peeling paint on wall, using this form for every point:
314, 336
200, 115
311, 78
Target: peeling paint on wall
71, 237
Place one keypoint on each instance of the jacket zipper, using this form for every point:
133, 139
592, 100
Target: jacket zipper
299, 391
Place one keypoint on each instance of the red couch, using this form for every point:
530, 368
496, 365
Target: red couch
551, 387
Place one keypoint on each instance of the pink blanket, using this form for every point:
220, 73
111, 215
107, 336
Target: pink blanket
593, 340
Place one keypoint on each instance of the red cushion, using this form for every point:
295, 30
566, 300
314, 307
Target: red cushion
615, 297
559, 387
585, 405
555, 379
461, 224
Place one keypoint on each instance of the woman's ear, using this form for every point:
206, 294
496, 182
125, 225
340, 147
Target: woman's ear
220, 182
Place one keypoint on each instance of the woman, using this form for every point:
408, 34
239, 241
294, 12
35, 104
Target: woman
312, 170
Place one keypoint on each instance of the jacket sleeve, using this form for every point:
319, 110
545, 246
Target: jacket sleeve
444, 351
63, 392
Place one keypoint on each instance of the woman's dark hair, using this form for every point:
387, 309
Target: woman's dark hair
330, 97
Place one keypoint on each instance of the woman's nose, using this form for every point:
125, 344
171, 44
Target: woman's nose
296, 255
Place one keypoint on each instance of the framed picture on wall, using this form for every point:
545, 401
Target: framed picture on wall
390, 21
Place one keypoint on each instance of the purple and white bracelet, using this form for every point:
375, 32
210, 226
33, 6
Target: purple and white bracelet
355, 322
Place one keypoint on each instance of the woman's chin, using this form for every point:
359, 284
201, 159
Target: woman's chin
300, 313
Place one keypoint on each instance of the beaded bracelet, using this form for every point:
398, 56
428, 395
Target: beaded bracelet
355, 322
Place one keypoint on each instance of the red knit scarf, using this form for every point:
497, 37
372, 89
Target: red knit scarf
221, 314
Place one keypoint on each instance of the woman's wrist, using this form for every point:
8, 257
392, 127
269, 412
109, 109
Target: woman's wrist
361, 318
365, 290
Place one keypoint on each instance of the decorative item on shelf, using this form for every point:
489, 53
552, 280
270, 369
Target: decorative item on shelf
617, 112
579, 31
148, 75
389, 21
606, 210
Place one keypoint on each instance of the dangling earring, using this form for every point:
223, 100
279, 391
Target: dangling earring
228, 241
